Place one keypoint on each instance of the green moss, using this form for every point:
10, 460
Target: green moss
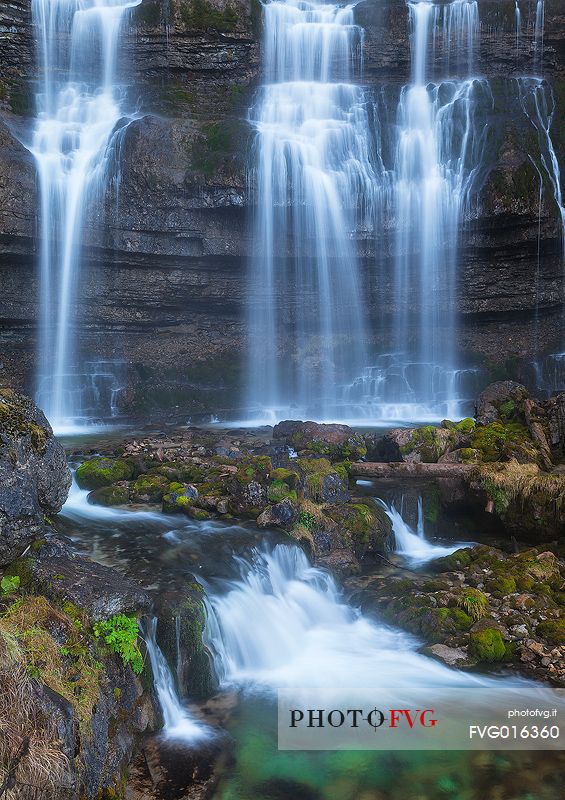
151, 486
507, 410
427, 442
501, 586
289, 477
310, 466
110, 496
453, 562
343, 469
552, 631
500, 442
200, 15
468, 454
279, 490
466, 425
487, 645
98, 472
15, 421
461, 620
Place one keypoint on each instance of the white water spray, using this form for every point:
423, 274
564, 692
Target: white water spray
412, 544
78, 110
305, 635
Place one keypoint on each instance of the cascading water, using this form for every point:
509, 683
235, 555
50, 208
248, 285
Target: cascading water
78, 111
178, 723
442, 133
313, 171
538, 104
304, 635
410, 543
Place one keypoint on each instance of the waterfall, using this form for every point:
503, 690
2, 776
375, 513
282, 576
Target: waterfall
305, 635
442, 133
178, 723
538, 104
410, 543
78, 109
315, 180
538, 36
518, 26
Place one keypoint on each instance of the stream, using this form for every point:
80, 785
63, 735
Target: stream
274, 621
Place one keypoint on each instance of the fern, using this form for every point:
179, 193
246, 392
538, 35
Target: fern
120, 634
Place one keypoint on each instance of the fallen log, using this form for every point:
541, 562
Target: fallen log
374, 469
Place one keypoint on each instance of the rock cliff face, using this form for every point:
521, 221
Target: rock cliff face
71, 706
165, 260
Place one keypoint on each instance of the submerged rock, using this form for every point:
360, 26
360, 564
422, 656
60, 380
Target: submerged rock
34, 477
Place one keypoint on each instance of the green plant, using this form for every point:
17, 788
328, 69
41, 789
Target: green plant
307, 520
120, 634
474, 603
9, 584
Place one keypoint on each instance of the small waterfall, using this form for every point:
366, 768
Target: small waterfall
442, 134
78, 109
549, 373
396, 389
538, 104
412, 543
179, 724
305, 635
538, 36
517, 26
314, 166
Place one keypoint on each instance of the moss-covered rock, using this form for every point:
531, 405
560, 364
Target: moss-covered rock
501, 441
335, 442
487, 645
150, 488
363, 525
279, 490
289, 476
101, 471
553, 631
116, 495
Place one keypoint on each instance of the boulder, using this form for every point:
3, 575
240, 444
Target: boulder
34, 476
502, 400
55, 570
452, 656
414, 445
336, 442
281, 515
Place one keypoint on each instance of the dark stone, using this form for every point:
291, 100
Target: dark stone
281, 515
181, 619
59, 573
489, 402
34, 477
